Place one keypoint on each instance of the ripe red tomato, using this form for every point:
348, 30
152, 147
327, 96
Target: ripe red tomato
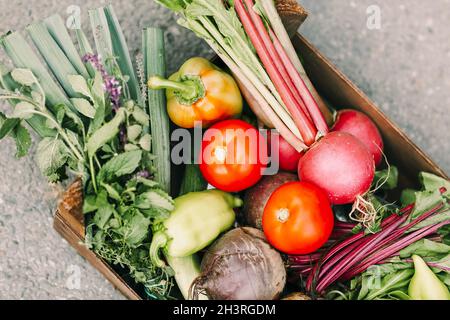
234, 155
298, 218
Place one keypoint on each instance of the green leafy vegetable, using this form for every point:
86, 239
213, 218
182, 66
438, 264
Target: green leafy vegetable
79, 85
386, 179
84, 107
23, 110
51, 156
123, 164
105, 133
23, 141
8, 126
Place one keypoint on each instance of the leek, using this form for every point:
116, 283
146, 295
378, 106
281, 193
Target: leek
155, 64
58, 31
23, 56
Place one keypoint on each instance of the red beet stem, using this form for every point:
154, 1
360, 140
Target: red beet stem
366, 245
274, 54
376, 247
310, 102
398, 233
394, 249
345, 248
431, 264
305, 126
304, 259
342, 249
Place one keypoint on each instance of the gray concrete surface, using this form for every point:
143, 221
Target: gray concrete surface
404, 67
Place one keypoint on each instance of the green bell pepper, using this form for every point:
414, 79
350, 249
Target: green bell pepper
197, 220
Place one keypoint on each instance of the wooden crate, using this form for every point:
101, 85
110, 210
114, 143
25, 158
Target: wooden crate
336, 88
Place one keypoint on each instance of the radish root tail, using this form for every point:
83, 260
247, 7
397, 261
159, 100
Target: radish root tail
364, 212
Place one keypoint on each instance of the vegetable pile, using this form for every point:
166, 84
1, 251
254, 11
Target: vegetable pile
237, 228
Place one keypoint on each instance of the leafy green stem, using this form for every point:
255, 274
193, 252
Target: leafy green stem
92, 169
44, 113
63, 134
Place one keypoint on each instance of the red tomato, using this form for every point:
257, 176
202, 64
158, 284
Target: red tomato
288, 157
298, 218
234, 155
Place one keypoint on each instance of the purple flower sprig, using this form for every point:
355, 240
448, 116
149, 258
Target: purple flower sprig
144, 174
110, 84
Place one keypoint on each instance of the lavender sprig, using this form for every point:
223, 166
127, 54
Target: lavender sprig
110, 84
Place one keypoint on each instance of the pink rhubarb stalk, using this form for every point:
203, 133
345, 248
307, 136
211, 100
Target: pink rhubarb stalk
311, 104
306, 128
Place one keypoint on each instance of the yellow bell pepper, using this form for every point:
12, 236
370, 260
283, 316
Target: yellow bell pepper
199, 91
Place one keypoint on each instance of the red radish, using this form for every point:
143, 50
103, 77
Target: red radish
360, 125
341, 165
288, 157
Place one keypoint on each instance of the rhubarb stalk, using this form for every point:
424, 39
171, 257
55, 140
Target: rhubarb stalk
306, 128
271, 13
268, 44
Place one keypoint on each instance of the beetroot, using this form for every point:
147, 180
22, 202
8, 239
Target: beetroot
360, 125
241, 265
257, 196
341, 165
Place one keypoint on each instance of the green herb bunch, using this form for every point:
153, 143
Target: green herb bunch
88, 111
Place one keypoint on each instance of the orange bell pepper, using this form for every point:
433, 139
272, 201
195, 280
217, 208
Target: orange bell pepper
199, 91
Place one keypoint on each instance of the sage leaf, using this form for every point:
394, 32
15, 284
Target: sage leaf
84, 107
136, 230
37, 96
111, 191
51, 155
23, 110
106, 133
141, 116
102, 216
147, 182
123, 164
23, 140
74, 139
79, 85
155, 199
24, 77
8, 126
130, 147
146, 142
97, 89
98, 120
133, 132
